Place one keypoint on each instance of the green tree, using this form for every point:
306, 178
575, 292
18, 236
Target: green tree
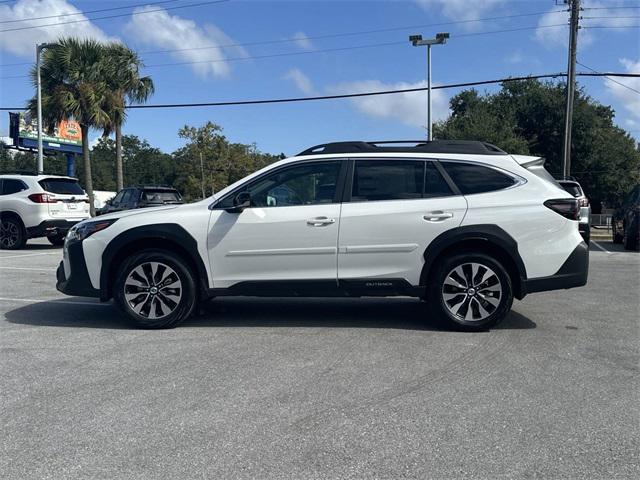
122, 74
73, 87
527, 117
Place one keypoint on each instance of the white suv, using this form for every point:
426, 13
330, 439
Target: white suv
462, 225
39, 206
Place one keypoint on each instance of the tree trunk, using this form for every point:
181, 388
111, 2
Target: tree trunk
88, 184
119, 172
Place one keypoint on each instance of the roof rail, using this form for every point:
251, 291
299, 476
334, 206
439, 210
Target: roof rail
412, 146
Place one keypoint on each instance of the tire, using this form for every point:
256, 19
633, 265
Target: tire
628, 241
142, 273
56, 240
12, 234
470, 309
617, 237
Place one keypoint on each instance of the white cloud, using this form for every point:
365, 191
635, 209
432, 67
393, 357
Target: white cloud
410, 108
628, 98
461, 9
169, 32
302, 41
301, 81
23, 42
551, 37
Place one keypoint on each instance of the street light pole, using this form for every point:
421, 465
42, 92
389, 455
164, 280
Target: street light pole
39, 49
417, 41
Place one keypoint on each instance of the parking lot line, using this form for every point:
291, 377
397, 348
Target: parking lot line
600, 247
29, 255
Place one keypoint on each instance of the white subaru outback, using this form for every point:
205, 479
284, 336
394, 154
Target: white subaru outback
462, 225
34, 206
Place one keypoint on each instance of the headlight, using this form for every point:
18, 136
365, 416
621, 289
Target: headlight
79, 232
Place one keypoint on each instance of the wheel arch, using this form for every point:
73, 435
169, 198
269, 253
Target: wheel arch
169, 237
489, 239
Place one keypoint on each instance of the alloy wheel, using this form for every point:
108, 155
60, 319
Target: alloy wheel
471, 292
9, 234
153, 290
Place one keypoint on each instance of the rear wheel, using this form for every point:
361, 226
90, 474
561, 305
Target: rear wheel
12, 234
470, 291
57, 240
155, 289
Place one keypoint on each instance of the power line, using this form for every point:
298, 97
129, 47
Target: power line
312, 52
611, 79
201, 4
610, 26
331, 35
611, 8
606, 16
362, 94
89, 11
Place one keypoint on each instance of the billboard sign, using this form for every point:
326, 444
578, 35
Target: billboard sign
65, 137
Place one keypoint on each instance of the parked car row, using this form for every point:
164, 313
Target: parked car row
33, 206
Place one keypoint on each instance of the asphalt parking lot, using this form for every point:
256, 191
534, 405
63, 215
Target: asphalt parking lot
319, 388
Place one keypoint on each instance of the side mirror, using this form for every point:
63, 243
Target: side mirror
242, 201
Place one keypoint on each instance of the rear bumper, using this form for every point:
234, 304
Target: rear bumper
78, 282
573, 273
51, 227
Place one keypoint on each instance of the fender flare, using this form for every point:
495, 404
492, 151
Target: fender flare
495, 237
171, 232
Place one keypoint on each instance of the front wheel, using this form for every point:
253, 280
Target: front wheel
155, 289
470, 291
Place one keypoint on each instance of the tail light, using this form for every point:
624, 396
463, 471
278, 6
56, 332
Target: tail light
583, 202
568, 208
42, 198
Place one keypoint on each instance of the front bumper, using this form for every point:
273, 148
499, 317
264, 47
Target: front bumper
573, 273
78, 282
51, 227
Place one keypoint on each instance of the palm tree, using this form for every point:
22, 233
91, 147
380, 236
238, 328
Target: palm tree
73, 87
122, 75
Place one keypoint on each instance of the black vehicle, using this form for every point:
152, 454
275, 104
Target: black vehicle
141, 197
626, 221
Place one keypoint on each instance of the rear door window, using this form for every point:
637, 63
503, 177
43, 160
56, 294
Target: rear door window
375, 180
62, 186
435, 184
472, 178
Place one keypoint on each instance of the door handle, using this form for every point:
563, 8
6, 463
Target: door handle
320, 221
437, 216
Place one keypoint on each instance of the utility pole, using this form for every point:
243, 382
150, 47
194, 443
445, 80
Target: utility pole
571, 86
417, 41
202, 176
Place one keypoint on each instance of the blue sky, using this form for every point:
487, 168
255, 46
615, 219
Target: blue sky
289, 128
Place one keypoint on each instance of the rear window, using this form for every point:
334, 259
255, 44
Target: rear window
572, 188
62, 186
472, 179
160, 196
